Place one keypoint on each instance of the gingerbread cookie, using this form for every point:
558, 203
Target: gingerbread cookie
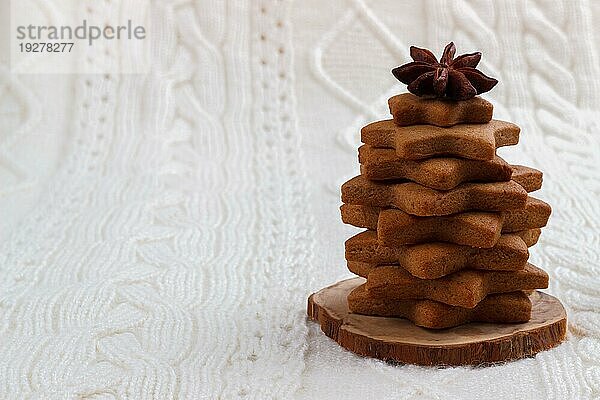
498, 308
419, 200
477, 229
436, 259
477, 142
464, 288
409, 109
529, 178
529, 236
473, 228
535, 215
442, 173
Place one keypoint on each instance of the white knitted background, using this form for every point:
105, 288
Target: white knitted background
160, 233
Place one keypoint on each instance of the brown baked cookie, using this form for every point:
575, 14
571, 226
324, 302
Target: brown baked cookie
473, 228
409, 109
497, 308
397, 228
529, 178
535, 215
419, 200
363, 269
477, 142
360, 216
529, 236
442, 173
464, 288
436, 259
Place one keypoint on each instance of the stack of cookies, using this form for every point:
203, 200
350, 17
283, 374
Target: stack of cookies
448, 222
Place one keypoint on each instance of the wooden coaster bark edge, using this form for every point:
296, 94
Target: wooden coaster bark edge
398, 340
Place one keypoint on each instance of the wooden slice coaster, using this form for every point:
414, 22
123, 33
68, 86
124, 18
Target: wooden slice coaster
399, 340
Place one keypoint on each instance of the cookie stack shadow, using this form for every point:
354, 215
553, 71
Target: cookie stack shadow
448, 222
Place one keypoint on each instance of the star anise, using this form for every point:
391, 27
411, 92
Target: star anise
451, 78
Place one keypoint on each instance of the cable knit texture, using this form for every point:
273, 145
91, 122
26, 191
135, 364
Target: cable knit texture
161, 232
